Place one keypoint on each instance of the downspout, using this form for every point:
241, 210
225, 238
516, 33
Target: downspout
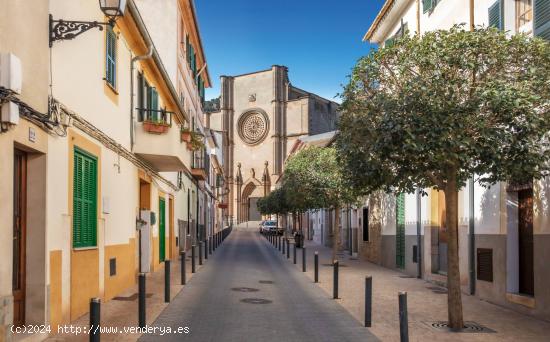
148, 55
418, 234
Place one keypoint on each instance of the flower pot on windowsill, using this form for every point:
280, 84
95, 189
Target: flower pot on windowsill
186, 136
155, 127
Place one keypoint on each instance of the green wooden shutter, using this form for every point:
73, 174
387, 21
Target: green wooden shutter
541, 23
495, 15
154, 104
84, 200
110, 64
427, 5
162, 230
400, 231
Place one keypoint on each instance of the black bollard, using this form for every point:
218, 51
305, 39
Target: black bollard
193, 268
403, 319
284, 245
368, 301
287, 248
303, 258
206, 249
200, 252
279, 243
316, 262
335, 280
294, 255
167, 281
210, 245
95, 319
141, 303
183, 275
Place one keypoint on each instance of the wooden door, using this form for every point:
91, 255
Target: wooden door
162, 230
525, 239
19, 236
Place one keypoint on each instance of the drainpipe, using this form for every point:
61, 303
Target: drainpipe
418, 234
472, 240
148, 55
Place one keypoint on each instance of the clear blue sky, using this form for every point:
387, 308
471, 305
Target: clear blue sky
319, 40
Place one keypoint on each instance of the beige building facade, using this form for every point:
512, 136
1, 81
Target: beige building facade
263, 114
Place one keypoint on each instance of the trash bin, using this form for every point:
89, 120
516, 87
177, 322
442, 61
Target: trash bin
299, 239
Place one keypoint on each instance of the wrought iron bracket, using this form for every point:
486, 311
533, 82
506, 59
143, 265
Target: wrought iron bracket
70, 29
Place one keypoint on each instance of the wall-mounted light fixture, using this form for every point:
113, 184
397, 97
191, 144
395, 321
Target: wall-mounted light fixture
70, 29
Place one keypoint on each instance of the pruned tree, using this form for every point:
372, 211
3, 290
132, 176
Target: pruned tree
432, 111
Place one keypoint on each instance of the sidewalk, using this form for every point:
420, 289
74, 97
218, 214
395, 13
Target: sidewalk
123, 312
427, 303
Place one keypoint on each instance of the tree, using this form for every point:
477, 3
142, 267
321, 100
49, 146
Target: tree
433, 111
315, 180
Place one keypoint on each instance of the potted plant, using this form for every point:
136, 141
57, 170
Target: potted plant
196, 141
186, 134
155, 126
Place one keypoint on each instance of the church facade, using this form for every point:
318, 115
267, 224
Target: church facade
261, 115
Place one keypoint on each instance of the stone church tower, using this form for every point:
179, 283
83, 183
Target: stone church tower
262, 114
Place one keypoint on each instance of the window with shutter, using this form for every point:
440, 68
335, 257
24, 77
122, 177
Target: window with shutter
154, 104
427, 5
84, 200
542, 19
110, 62
495, 15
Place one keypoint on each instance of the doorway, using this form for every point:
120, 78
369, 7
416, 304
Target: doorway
400, 231
253, 212
162, 229
19, 236
525, 241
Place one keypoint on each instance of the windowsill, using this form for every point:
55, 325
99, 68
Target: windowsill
110, 86
521, 299
81, 249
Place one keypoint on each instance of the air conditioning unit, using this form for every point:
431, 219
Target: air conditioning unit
10, 72
10, 113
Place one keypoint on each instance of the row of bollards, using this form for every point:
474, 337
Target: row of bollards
283, 245
205, 247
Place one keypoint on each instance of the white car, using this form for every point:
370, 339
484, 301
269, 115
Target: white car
270, 227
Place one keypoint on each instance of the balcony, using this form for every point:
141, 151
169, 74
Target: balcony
158, 141
199, 165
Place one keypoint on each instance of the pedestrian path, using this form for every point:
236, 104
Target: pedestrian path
427, 303
249, 293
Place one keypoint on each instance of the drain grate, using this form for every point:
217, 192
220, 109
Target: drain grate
406, 276
256, 301
437, 290
131, 298
469, 327
266, 282
340, 265
245, 289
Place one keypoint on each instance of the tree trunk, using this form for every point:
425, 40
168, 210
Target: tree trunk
336, 233
454, 300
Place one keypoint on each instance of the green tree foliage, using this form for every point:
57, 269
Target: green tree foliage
435, 110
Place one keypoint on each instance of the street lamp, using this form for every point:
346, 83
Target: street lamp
70, 29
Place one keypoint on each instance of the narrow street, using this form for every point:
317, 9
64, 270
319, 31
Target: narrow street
283, 303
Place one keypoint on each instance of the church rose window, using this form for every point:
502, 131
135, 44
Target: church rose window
253, 127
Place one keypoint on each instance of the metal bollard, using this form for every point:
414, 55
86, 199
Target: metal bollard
287, 248
210, 245
316, 262
95, 319
141, 303
294, 254
368, 301
303, 258
200, 252
403, 318
284, 246
335, 280
183, 275
167, 281
206, 249
279, 243
193, 268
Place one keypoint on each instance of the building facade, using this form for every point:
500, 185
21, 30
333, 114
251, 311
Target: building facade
504, 230
101, 181
262, 115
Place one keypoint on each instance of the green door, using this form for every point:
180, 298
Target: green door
400, 231
162, 229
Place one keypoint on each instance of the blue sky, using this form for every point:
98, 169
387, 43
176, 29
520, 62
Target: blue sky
319, 40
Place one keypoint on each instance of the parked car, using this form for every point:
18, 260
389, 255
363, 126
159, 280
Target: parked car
270, 227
